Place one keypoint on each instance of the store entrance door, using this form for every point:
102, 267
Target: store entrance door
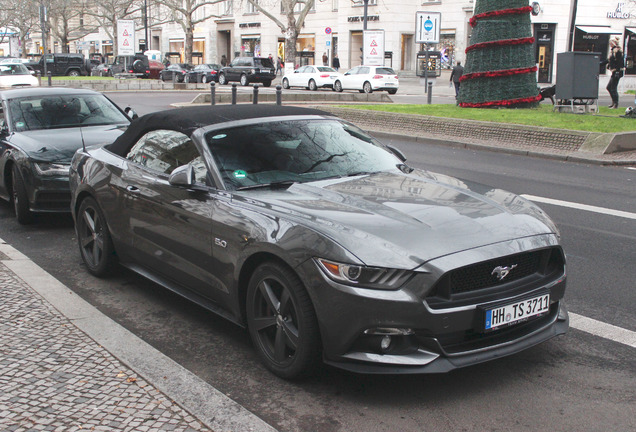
544, 53
406, 62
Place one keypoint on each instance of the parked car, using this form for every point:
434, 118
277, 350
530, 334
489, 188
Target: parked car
247, 70
13, 75
204, 73
137, 65
70, 64
40, 129
178, 70
320, 240
12, 60
155, 68
311, 77
102, 69
368, 79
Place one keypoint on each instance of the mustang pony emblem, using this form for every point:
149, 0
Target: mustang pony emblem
502, 272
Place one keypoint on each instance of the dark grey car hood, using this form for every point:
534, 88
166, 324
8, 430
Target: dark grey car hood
403, 220
59, 145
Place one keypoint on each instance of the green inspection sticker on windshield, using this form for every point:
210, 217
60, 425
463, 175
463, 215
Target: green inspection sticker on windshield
20, 124
239, 174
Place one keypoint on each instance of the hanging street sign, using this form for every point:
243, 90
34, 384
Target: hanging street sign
427, 27
125, 37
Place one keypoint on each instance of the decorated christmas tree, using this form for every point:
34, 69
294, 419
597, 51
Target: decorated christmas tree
500, 68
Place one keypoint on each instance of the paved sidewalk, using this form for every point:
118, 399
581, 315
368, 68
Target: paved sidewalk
56, 373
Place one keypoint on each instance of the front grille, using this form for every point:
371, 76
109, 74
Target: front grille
481, 275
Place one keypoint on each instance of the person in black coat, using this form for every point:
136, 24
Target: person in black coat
456, 74
335, 62
615, 64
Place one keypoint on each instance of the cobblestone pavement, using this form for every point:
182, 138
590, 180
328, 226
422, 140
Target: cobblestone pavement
53, 377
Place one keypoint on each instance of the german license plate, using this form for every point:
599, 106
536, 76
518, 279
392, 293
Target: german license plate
389, 84
515, 312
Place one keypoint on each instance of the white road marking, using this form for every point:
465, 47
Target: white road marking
604, 330
578, 206
631, 168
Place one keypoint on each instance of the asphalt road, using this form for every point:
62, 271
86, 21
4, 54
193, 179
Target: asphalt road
576, 382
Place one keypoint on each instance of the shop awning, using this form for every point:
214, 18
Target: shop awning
632, 30
598, 30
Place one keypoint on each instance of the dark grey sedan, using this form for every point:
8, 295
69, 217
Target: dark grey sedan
320, 240
40, 130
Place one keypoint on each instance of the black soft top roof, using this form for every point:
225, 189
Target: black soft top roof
187, 120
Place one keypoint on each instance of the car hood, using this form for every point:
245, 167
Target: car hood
59, 145
404, 220
9, 81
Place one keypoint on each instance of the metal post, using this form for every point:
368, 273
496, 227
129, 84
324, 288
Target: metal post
38, 75
234, 93
279, 95
255, 95
426, 69
212, 93
430, 93
49, 77
366, 6
174, 78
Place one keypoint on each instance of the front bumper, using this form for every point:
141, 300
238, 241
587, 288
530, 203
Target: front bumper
49, 194
434, 339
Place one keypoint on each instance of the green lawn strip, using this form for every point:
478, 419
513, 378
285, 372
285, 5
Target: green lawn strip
607, 121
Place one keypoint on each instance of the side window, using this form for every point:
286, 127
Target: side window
354, 71
363, 70
161, 151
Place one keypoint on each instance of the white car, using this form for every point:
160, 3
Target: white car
311, 77
368, 79
13, 60
13, 75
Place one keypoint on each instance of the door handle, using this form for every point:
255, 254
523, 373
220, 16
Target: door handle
131, 188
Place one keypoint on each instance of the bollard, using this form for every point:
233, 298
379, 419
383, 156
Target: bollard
174, 78
430, 93
38, 75
49, 75
279, 95
255, 97
233, 93
212, 93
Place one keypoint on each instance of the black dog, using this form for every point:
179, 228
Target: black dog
548, 93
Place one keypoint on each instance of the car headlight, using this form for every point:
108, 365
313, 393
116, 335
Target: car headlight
52, 169
363, 276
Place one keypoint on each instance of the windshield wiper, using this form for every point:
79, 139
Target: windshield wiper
278, 184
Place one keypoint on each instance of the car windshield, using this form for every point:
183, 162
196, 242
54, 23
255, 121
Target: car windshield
53, 112
295, 151
13, 69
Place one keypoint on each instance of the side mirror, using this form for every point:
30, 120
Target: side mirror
131, 113
397, 152
182, 176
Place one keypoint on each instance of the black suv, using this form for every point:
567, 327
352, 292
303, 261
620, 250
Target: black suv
71, 64
249, 69
137, 65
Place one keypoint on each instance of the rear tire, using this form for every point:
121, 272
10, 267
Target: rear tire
204, 79
93, 237
73, 73
20, 197
337, 86
312, 85
366, 87
282, 321
392, 92
285, 83
222, 79
244, 81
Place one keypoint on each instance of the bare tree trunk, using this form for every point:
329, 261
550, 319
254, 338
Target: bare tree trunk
189, 41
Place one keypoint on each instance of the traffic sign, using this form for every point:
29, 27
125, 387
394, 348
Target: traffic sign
427, 27
328, 30
125, 37
373, 47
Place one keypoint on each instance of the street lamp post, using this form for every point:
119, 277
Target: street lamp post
364, 22
146, 24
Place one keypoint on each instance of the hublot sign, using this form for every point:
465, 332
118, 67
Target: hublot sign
618, 13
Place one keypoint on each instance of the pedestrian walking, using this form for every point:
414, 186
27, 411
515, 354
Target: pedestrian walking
223, 60
335, 62
616, 65
325, 59
456, 74
279, 66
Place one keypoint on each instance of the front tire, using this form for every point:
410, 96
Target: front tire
285, 83
282, 321
222, 79
73, 73
20, 198
244, 81
204, 79
337, 86
312, 85
267, 83
95, 242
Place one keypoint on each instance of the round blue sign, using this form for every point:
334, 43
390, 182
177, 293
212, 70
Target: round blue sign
428, 25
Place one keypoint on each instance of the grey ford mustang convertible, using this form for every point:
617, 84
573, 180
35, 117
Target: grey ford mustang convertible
320, 240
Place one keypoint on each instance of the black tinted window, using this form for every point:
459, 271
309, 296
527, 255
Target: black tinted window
263, 62
298, 151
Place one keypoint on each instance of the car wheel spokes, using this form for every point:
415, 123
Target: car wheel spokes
275, 321
92, 242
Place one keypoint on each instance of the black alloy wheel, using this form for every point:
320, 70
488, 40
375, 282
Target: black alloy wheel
244, 80
95, 242
312, 85
367, 87
337, 86
285, 83
282, 321
222, 79
20, 198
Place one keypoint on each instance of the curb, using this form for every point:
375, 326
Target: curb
200, 399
